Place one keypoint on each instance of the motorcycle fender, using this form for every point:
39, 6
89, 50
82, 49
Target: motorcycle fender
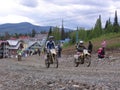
53, 51
76, 56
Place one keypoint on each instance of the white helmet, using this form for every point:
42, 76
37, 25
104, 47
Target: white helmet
81, 42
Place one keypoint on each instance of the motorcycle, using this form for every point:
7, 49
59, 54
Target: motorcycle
51, 58
82, 58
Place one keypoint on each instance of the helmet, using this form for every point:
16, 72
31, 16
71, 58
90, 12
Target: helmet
81, 42
51, 37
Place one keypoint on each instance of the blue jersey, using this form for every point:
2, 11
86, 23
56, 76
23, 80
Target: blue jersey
50, 44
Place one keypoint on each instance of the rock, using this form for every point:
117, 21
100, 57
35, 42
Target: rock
76, 86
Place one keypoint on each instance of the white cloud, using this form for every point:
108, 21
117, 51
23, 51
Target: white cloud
15, 19
6, 6
51, 12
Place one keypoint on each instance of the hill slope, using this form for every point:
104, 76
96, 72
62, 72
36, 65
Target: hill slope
23, 27
112, 40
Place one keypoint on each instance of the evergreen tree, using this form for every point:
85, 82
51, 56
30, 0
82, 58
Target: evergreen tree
98, 27
16, 35
115, 24
56, 33
50, 31
7, 35
89, 34
73, 37
62, 32
33, 33
108, 26
82, 34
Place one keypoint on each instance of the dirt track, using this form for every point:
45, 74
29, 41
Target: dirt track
31, 74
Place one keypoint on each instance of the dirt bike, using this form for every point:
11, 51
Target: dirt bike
82, 58
51, 58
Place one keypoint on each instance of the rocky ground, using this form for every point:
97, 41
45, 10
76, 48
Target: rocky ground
31, 74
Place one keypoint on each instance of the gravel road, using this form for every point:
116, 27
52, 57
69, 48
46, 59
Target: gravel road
31, 74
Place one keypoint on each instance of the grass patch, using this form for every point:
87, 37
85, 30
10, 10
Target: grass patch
112, 41
116, 45
67, 45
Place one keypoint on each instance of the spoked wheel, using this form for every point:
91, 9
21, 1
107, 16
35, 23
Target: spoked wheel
76, 64
82, 60
55, 61
88, 61
47, 63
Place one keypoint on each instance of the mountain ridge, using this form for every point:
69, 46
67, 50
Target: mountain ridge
23, 27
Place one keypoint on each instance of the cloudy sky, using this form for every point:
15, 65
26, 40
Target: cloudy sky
81, 13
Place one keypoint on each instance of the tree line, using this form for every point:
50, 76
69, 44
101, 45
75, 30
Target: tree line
82, 34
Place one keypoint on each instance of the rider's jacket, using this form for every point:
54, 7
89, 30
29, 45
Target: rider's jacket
50, 44
80, 48
19, 52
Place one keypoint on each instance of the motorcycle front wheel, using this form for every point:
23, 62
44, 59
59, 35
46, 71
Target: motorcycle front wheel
55, 61
88, 61
47, 63
76, 64
19, 57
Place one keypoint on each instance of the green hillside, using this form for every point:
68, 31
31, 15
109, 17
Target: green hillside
112, 40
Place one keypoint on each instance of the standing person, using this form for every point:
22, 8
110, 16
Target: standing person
44, 50
59, 50
39, 51
103, 44
76, 45
90, 47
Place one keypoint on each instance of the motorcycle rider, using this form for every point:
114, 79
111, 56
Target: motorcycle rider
50, 45
19, 53
80, 46
80, 49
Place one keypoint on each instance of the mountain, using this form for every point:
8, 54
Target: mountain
23, 27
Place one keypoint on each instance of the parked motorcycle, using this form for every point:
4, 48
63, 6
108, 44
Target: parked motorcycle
51, 58
82, 58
